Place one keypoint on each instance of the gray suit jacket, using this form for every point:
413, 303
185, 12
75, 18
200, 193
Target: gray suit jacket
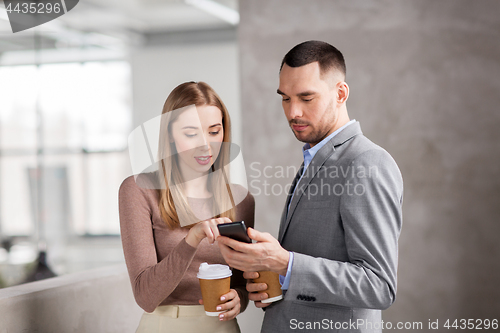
343, 226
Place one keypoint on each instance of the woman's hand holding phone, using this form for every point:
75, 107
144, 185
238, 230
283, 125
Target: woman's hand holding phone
204, 229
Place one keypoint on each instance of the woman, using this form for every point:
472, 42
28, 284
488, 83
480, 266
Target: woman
168, 218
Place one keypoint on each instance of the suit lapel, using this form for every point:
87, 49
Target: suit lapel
288, 198
317, 162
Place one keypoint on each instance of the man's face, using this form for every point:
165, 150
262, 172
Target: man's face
309, 102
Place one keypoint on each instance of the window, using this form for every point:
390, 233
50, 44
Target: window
79, 115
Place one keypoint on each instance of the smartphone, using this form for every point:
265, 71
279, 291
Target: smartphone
235, 230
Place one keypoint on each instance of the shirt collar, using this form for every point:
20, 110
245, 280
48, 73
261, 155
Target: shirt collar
309, 152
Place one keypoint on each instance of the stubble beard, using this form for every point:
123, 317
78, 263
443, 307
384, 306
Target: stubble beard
322, 129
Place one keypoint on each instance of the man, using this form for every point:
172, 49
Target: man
338, 238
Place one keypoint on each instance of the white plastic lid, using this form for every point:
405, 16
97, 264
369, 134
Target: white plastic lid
211, 272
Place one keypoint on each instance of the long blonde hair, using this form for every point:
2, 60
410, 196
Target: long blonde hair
186, 94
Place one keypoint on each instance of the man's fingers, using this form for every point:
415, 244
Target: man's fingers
252, 287
250, 275
226, 251
261, 305
242, 261
256, 297
258, 236
255, 291
234, 244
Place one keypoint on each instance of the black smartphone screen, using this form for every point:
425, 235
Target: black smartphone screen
235, 230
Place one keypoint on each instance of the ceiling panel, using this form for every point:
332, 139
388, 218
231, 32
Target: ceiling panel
125, 21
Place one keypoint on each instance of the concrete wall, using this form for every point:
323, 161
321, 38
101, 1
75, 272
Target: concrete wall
156, 70
98, 300
425, 81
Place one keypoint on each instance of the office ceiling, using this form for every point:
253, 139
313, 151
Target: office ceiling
116, 24
142, 16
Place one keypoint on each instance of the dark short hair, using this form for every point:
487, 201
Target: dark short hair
325, 54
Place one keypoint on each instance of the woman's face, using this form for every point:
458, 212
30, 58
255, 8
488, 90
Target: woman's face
197, 134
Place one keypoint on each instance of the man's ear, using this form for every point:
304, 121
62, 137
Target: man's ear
342, 92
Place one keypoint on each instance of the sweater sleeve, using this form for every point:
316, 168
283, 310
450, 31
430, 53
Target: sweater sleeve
152, 281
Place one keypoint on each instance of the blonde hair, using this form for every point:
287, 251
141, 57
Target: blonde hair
186, 94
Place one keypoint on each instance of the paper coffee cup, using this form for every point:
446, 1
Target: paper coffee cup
272, 280
215, 281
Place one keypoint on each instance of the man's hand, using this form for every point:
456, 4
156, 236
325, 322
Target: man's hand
265, 255
254, 289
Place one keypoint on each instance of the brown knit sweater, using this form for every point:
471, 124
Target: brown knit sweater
161, 265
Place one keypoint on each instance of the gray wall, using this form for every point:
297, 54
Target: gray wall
157, 70
425, 82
